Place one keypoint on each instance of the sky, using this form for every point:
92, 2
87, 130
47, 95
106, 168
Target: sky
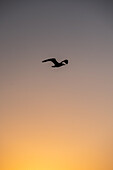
56, 118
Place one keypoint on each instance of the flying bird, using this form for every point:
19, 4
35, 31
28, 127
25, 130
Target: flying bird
56, 63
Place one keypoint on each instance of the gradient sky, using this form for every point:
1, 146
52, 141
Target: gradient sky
56, 119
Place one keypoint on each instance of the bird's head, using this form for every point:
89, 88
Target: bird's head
65, 62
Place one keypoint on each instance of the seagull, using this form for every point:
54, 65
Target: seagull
56, 63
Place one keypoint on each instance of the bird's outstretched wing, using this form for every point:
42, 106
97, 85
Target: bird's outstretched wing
65, 61
51, 59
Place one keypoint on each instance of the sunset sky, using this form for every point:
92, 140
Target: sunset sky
56, 118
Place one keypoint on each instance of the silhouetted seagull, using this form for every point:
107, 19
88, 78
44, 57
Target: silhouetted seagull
56, 63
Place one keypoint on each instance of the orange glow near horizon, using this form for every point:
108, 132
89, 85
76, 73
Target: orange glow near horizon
56, 119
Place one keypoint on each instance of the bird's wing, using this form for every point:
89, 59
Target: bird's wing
65, 61
51, 59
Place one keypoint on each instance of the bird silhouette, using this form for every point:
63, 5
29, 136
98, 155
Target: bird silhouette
56, 63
